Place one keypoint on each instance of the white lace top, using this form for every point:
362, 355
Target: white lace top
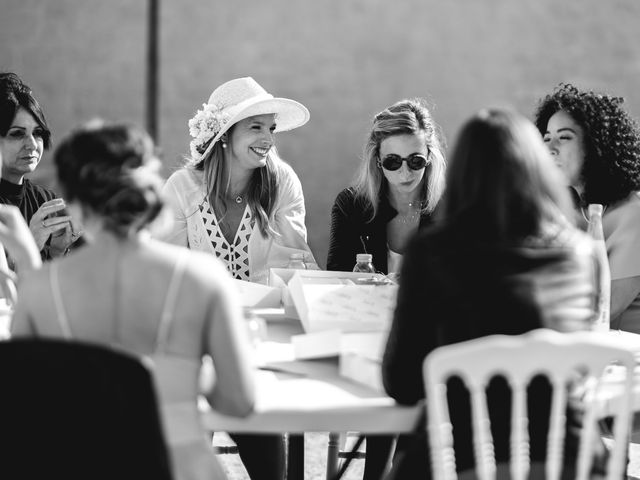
185, 193
234, 255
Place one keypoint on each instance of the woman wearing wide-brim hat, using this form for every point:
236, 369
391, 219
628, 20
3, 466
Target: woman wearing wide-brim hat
236, 198
239, 201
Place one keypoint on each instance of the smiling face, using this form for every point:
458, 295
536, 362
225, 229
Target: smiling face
22, 147
404, 180
250, 141
565, 140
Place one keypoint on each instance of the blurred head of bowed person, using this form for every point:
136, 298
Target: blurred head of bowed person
595, 143
397, 188
236, 198
24, 135
166, 303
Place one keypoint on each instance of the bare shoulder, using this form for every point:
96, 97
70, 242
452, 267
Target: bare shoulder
34, 280
202, 270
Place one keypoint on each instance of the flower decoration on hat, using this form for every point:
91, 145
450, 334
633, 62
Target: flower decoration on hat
204, 126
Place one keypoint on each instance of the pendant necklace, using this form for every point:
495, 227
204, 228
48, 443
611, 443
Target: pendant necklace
414, 215
239, 199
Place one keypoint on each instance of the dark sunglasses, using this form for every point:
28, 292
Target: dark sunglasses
415, 161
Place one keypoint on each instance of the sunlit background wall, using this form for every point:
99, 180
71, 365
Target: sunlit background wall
344, 59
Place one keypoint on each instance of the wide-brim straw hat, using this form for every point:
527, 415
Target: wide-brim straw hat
241, 98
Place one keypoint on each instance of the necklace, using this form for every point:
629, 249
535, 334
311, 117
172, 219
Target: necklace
413, 215
239, 199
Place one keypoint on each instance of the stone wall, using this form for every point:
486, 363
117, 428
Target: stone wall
344, 59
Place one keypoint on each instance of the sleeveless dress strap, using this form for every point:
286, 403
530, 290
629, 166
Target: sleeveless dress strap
168, 310
61, 313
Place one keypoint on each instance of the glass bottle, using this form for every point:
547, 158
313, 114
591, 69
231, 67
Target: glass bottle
601, 320
296, 262
364, 263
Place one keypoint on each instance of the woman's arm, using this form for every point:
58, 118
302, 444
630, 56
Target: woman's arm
344, 240
16, 237
175, 233
228, 345
22, 323
290, 213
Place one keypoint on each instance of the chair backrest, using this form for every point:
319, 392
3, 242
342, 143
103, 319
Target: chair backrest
518, 359
77, 410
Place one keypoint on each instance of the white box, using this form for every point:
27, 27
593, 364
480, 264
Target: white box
338, 301
257, 295
361, 357
279, 278
316, 345
362, 370
369, 345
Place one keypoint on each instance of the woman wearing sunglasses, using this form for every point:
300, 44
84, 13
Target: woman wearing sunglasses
397, 188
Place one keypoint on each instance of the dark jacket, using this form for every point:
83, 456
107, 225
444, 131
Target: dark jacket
454, 288
27, 197
353, 233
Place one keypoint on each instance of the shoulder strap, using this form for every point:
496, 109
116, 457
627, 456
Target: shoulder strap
61, 313
168, 310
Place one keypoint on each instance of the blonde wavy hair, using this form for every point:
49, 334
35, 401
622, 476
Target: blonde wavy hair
406, 117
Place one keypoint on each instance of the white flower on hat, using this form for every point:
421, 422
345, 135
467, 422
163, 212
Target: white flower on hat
204, 126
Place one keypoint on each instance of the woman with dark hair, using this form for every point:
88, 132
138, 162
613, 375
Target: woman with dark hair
398, 185
504, 259
24, 135
125, 290
596, 145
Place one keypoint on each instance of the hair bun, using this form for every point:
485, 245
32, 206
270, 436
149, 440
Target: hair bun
111, 170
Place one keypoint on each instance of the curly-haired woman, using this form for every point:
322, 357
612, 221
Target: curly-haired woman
596, 144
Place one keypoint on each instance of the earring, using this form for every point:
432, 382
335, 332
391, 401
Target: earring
224, 145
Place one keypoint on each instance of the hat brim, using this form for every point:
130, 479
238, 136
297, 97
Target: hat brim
289, 115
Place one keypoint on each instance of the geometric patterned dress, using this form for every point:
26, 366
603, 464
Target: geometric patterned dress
236, 255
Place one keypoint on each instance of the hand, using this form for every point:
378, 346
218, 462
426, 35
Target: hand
44, 223
64, 238
17, 239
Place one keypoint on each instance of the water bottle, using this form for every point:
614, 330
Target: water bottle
364, 263
296, 262
601, 321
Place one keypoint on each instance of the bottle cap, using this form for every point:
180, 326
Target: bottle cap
364, 258
595, 208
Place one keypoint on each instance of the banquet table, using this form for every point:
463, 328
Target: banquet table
310, 395
298, 396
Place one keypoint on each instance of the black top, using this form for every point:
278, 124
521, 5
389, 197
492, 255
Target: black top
27, 197
353, 233
454, 287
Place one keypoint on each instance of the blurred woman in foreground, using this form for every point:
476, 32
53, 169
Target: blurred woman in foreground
125, 289
505, 259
